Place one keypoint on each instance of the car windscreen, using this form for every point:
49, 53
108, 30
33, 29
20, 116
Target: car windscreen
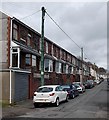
45, 89
65, 86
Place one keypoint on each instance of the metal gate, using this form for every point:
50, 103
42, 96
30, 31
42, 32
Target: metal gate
21, 86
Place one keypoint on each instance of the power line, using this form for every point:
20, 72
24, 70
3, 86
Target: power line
62, 30
65, 33
30, 15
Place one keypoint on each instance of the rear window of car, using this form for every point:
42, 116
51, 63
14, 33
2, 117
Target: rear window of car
90, 81
45, 89
65, 87
77, 85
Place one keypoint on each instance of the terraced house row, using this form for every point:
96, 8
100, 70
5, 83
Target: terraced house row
20, 64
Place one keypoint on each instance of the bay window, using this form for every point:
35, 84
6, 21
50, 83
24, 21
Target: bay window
67, 68
58, 67
70, 70
64, 68
48, 65
33, 60
28, 59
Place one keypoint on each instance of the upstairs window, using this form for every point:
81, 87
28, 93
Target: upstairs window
29, 40
60, 53
56, 52
28, 59
15, 32
52, 50
40, 44
64, 56
46, 47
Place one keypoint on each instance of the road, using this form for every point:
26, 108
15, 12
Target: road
91, 104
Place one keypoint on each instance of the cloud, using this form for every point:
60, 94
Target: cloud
84, 22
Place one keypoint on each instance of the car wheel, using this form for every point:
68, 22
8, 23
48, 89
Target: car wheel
57, 102
67, 98
36, 105
73, 96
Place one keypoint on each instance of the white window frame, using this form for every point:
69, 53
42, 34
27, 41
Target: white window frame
18, 59
46, 47
58, 67
67, 68
34, 60
50, 65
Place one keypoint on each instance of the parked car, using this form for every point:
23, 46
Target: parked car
89, 84
76, 92
107, 81
97, 82
53, 94
70, 90
101, 79
80, 87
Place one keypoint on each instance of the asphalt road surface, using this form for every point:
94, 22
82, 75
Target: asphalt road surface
91, 104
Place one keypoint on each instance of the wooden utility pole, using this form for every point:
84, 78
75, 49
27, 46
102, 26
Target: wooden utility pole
81, 78
42, 47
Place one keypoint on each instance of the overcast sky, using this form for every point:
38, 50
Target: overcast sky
84, 22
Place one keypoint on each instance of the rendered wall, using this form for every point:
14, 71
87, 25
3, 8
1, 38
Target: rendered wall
3, 41
5, 85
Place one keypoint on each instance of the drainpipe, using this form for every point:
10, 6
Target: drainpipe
10, 85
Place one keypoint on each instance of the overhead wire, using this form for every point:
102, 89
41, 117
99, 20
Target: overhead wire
30, 15
66, 34
62, 30
56, 25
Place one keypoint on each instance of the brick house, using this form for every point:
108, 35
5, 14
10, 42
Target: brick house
20, 64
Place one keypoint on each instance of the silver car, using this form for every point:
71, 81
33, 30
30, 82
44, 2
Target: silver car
80, 87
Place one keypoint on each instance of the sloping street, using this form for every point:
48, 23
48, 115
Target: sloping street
91, 104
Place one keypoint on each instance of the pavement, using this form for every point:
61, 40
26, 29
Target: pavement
20, 108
